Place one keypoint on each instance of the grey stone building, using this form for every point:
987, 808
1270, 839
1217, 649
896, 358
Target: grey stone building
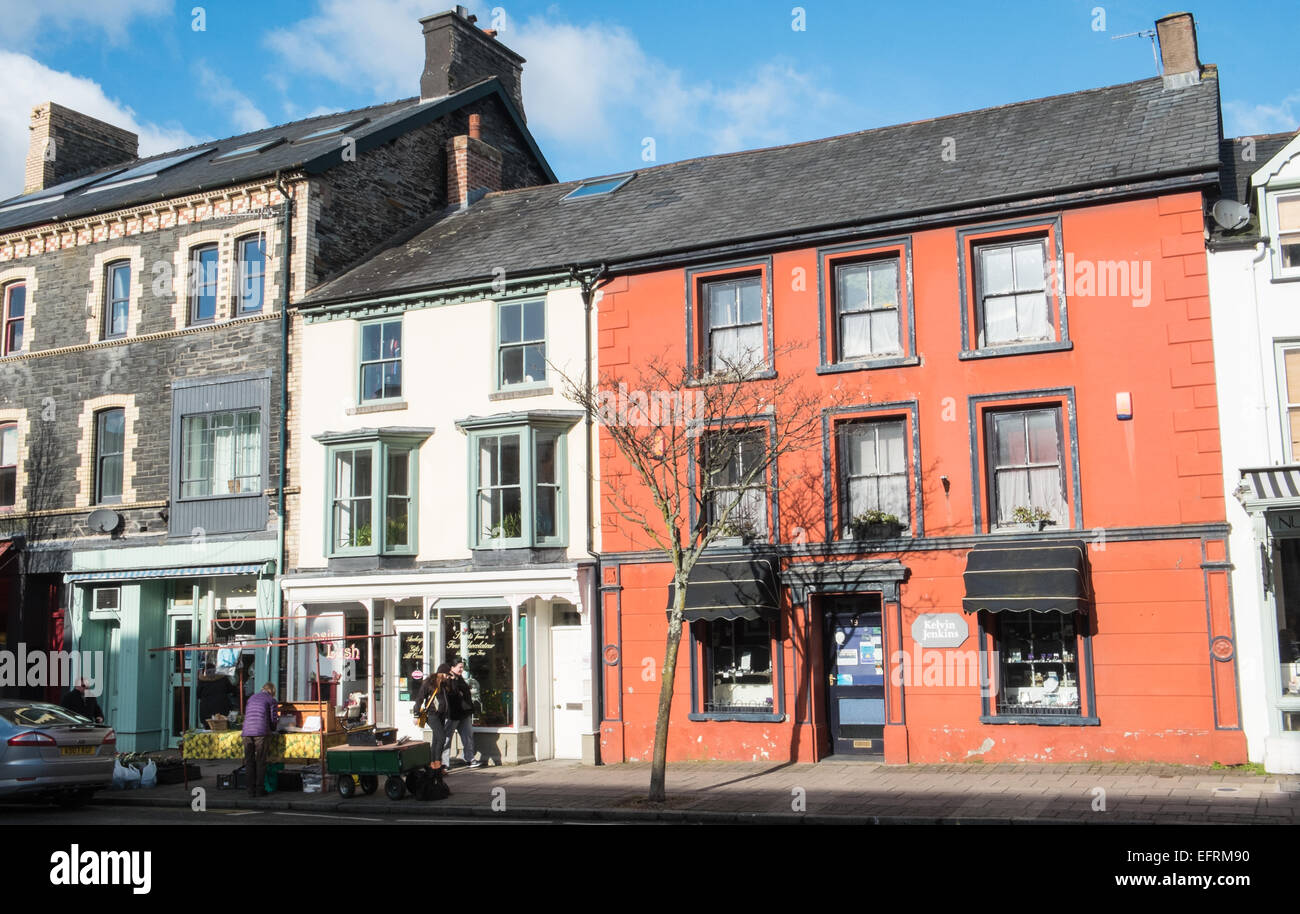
144, 483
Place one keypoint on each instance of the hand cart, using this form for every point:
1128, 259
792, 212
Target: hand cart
404, 764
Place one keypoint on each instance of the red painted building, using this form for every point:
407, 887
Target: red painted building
1008, 310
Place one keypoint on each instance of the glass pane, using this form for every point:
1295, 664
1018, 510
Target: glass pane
1039, 668
372, 382
1288, 214
725, 349
996, 275
8, 486
546, 510
893, 496
399, 482
509, 460
534, 320
17, 300
750, 343
392, 379
1045, 492
545, 469
117, 321
999, 320
892, 451
8, 445
392, 339
1290, 245
860, 450
1293, 417
110, 479
487, 461
1292, 369
14, 337
535, 362
343, 465
1029, 265
112, 430
855, 336
1012, 492
1288, 621
884, 284
362, 467
510, 324
485, 641
751, 301
851, 284
512, 365
1031, 315
371, 342
511, 513
121, 282
1043, 444
739, 666
398, 532
1009, 432
884, 332
722, 304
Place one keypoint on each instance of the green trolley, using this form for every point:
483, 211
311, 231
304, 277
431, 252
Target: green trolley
404, 764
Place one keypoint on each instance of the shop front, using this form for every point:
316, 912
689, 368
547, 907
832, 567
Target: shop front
364, 644
1272, 499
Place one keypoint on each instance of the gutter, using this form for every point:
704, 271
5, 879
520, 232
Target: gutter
285, 274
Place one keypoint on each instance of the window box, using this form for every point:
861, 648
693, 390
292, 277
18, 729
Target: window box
1013, 296
865, 528
518, 479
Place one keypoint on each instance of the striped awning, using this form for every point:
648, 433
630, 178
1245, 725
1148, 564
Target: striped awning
1019, 576
729, 589
202, 571
1278, 483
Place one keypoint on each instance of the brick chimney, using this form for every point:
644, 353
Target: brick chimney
66, 143
473, 167
457, 53
1178, 60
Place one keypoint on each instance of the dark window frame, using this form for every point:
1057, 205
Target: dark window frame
243, 275
696, 312
907, 410
844, 513
111, 301
970, 241
829, 260
991, 646
992, 457
10, 321
199, 282
759, 432
702, 674
9, 468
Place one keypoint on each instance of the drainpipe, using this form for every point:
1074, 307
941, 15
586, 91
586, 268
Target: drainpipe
285, 273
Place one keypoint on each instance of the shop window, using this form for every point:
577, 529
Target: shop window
521, 343
1026, 467
735, 463
15, 314
117, 299
381, 360
518, 480
485, 640
8, 464
221, 454
1288, 618
1036, 655
110, 441
873, 474
204, 268
252, 273
372, 503
737, 666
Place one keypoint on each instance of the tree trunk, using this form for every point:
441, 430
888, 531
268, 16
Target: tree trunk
659, 764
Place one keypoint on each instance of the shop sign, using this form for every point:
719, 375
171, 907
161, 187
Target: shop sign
940, 630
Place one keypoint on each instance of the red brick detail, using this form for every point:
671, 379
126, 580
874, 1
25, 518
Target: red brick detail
1196, 420
1207, 442
1205, 396
1189, 331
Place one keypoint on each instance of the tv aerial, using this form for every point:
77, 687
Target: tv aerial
1145, 33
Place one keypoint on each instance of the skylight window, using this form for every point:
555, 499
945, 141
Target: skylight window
50, 194
597, 188
249, 149
148, 170
330, 131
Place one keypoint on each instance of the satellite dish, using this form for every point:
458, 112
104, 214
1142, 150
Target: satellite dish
1230, 214
104, 520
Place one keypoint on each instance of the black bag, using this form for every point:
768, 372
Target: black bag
432, 786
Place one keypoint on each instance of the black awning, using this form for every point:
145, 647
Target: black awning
1022, 576
730, 589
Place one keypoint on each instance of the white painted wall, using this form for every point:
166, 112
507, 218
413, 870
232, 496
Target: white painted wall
1250, 312
449, 361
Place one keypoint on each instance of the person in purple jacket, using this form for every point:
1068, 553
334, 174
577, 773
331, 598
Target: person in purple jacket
260, 717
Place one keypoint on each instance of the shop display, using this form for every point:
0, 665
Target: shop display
1039, 668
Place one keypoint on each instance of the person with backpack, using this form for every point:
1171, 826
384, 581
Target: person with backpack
432, 705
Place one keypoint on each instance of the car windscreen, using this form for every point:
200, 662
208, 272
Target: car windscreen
40, 716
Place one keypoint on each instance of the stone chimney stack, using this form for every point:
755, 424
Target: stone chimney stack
1179, 62
457, 53
473, 167
66, 143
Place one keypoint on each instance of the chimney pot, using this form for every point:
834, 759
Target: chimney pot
476, 127
458, 53
1179, 62
65, 144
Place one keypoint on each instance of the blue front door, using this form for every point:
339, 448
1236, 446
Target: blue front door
855, 670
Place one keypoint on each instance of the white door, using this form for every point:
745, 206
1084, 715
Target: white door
410, 657
570, 689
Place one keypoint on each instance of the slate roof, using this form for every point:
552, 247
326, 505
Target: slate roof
1096, 138
1234, 178
207, 171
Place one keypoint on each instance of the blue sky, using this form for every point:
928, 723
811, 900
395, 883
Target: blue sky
601, 77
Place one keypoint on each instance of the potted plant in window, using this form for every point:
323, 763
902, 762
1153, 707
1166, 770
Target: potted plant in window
736, 532
361, 537
1027, 517
507, 529
875, 524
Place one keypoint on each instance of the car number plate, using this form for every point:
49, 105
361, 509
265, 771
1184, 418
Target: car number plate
77, 750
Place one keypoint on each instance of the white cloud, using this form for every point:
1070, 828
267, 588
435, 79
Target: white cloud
1244, 119
243, 112
29, 82
589, 90
25, 20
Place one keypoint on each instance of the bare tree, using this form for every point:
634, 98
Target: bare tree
700, 450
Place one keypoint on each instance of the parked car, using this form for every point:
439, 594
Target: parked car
50, 752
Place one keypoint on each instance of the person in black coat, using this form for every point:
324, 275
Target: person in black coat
433, 695
216, 693
78, 702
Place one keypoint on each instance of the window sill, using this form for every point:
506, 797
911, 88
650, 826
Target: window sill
767, 374
755, 717
869, 364
378, 406
1045, 720
1285, 277
193, 499
994, 352
518, 393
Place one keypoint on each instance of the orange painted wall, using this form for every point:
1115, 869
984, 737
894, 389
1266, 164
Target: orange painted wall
1151, 663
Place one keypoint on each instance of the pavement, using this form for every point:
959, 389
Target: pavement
839, 792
